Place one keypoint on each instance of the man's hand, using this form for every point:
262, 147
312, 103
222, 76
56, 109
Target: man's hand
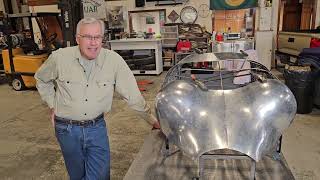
51, 116
156, 124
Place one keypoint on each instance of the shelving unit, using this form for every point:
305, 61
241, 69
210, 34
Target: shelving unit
169, 40
168, 58
169, 36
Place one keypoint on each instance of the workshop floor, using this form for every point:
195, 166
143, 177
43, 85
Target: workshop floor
29, 150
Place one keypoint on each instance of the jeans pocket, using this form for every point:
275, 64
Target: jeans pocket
101, 124
62, 129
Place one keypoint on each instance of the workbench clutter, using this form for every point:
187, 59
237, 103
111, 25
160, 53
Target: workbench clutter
196, 34
168, 57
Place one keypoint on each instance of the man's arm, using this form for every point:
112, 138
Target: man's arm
45, 77
127, 87
156, 124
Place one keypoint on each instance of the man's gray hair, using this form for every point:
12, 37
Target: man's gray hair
90, 20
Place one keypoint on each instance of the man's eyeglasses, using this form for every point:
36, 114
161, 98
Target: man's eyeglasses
91, 38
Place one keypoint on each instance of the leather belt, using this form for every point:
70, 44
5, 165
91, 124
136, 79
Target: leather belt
79, 122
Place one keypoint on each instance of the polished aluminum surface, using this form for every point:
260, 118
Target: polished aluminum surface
248, 119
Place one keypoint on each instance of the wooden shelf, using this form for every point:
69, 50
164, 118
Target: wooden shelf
42, 2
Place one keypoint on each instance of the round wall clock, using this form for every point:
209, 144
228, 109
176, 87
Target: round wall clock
188, 14
204, 10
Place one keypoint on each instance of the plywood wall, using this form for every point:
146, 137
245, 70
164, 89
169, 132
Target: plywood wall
233, 19
42, 2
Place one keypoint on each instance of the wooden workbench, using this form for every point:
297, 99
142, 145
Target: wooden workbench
151, 164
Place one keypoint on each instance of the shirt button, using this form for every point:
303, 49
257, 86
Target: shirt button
85, 114
86, 99
67, 81
87, 85
84, 70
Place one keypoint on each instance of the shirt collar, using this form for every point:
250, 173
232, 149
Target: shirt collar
98, 60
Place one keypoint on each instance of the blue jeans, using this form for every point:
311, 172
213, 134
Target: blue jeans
85, 150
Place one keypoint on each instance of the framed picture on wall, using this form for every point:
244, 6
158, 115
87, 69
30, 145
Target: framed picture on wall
116, 16
150, 20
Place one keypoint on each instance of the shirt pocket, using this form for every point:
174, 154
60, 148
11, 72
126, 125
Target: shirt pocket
71, 88
104, 90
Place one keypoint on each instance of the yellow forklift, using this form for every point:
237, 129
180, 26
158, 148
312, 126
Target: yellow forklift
20, 67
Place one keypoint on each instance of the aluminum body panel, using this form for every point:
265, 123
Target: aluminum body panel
249, 119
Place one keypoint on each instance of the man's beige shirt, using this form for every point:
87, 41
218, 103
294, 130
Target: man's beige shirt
80, 98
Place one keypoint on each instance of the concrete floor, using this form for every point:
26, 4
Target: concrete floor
29, 150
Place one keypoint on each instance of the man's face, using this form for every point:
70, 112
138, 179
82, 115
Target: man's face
89, 40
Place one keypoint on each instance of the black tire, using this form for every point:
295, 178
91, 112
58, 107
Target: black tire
18, 84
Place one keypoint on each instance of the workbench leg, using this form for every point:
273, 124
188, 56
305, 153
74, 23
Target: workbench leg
201, 168
253, 170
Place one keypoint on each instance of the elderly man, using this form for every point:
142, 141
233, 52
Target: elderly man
78, 83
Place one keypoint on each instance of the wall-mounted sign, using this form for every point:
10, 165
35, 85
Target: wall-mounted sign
173, 16
94, 8
232, 4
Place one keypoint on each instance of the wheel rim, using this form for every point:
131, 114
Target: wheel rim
16, 84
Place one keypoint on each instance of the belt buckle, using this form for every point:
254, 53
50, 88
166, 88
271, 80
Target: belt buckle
83, 122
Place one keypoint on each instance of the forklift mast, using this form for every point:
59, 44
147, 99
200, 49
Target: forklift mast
71, 14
